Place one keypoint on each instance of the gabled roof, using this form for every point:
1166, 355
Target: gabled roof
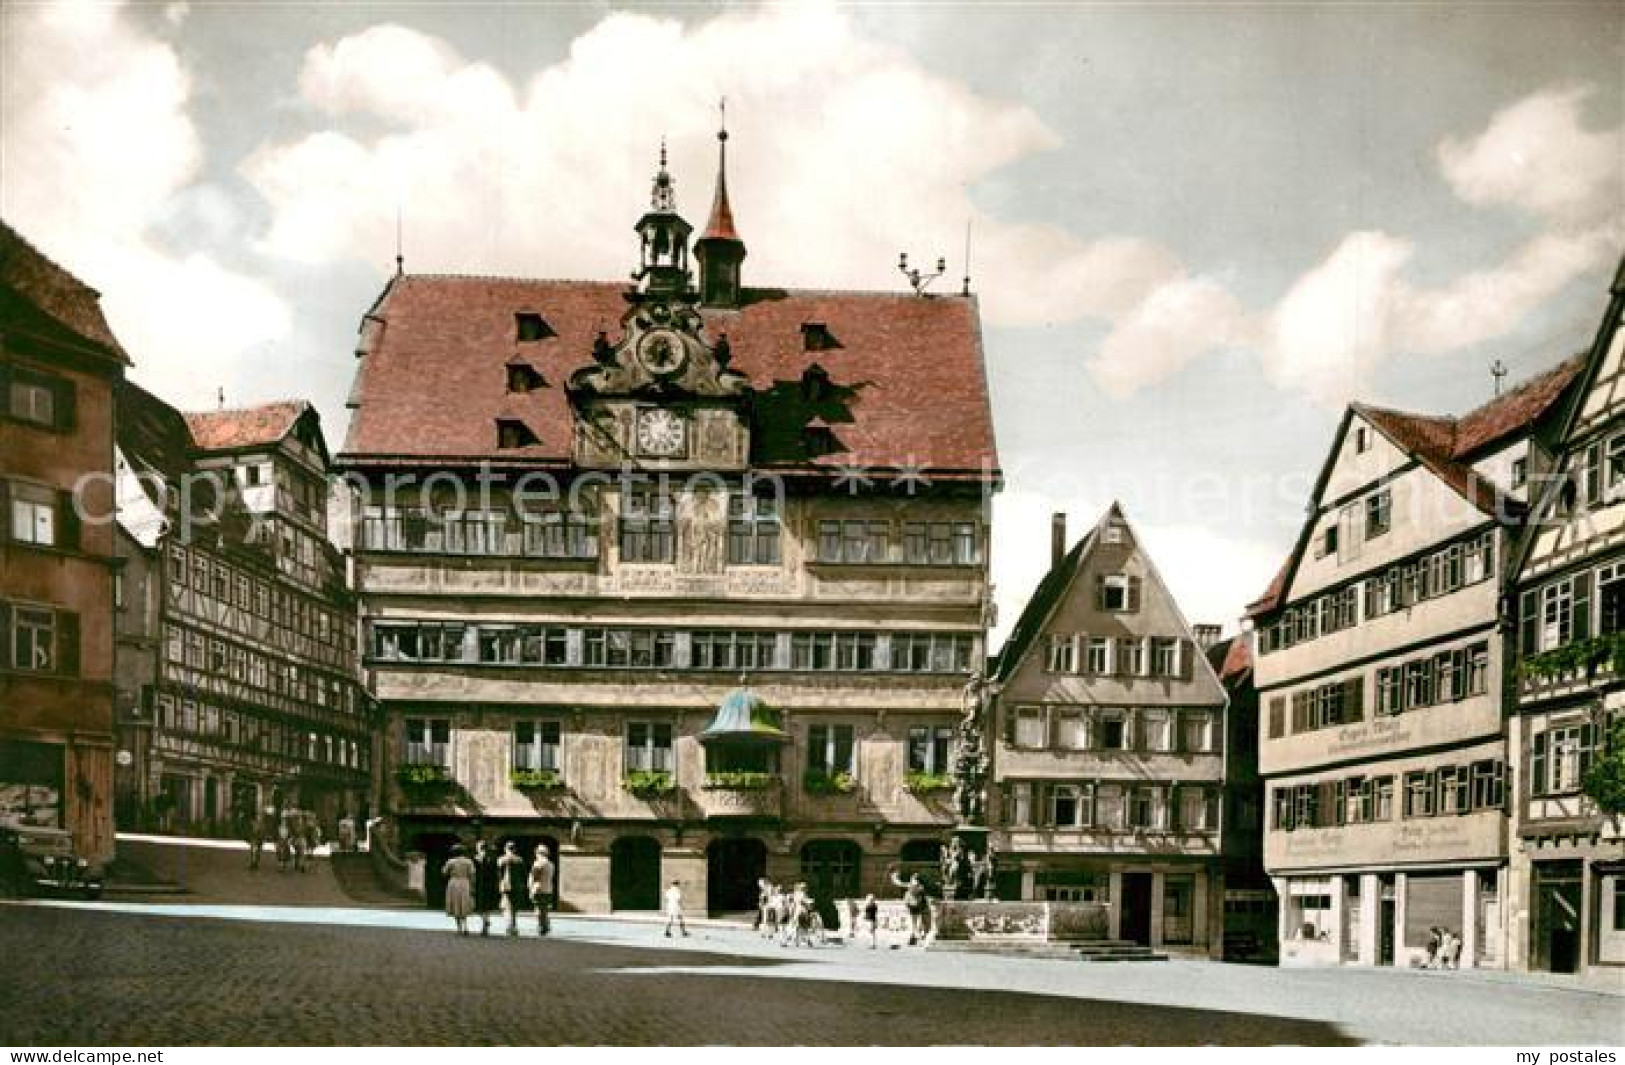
1447, 448
1053, 589
55, 293
1045, 598
152, 435
232, 430
908, 383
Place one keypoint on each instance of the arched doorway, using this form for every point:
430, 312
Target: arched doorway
634, 873
732, 868
830, 868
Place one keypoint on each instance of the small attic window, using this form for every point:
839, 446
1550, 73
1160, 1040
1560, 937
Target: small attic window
532, 326
815, 336
522, 377
814, 383
1362, 440
512, 433
1114, 532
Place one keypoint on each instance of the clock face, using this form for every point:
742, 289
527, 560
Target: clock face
661, 433
662, 352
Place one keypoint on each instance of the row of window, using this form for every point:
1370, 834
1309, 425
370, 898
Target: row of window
648, 532
259, 608
201, 719
707, 649
831, 748
1572, 608
1428, 680
1113, 729
1105, 656
922, 543
39, 639
1358, 800
247, 665
1436, 574
1112, 806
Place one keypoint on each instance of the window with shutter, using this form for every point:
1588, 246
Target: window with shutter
1133, 594
1538, 763
67, 644
67, 522
1582, 606
5, 635
1354, 699
1529, 624
1277, 717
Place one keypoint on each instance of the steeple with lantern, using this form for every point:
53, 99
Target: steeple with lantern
720, 250
663, 263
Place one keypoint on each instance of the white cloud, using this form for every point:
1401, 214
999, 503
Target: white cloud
96, 147
843, 153
1175, 323
1340, 321
1537, 155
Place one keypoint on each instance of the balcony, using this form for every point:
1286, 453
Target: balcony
744, 794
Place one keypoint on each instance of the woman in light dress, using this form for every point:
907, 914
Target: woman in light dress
459, 875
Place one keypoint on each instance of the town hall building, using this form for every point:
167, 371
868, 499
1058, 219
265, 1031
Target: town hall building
682, 579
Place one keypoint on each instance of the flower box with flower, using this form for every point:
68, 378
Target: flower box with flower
917, 783
739, 781
536, 779
650, 783
817, 782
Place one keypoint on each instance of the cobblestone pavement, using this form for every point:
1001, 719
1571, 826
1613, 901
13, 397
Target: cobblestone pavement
93, 976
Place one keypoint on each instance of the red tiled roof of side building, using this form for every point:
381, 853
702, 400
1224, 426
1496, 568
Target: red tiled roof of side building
259, 426
907, 385
55, 292
1272, 595
1508, 414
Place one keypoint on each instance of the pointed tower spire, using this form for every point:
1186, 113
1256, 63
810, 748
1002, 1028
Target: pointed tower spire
719, 249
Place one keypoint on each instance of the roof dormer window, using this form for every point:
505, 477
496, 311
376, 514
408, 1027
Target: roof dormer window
815, 336
532, 326
523, 377
513, 433
814, 383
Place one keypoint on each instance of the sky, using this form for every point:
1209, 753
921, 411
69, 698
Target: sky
1197, 231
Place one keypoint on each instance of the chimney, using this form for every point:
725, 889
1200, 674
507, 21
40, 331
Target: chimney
1057, 538
1207, 635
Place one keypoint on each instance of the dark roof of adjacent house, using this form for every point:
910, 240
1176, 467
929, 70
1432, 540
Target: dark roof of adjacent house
1231, 659
245, 427
152, 435
906, 385
55, 293
1448, 446
1049, 593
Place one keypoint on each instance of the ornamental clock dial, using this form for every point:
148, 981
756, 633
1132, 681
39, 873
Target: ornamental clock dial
662, 352
661, 433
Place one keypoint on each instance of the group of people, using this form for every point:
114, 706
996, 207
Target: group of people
789, 916
294, 833
496, 880
1444, 949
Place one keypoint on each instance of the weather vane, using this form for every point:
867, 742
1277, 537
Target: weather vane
1499, 372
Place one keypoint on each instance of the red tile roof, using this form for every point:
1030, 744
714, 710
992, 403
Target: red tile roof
261, 426
1448, 447
54, 292
907, 386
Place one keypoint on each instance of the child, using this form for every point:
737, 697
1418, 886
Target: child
871, 920
674, 909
